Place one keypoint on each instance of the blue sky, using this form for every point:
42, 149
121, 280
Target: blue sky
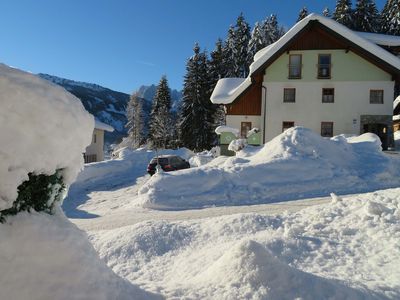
122, 44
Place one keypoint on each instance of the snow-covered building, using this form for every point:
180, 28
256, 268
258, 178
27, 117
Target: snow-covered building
95, 151
319, 75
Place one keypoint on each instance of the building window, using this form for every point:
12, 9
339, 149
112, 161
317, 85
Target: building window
376, 96
294, 66
89, 158
324, 66
289, 95
286, 125
327, 129
245, 127
328, 95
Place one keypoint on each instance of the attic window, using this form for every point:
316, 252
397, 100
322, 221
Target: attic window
294, 66
324, 66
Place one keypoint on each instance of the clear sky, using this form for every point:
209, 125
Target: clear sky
122, 44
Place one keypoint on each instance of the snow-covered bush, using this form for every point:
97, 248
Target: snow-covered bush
237, 145
44, 131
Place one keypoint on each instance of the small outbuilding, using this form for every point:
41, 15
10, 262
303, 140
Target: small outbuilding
95, 151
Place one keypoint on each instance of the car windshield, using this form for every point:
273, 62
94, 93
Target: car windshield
161, 160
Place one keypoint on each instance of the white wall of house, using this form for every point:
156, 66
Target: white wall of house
96, 147
236, 120
351, 100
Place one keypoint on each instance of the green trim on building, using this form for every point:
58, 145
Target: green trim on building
254, 139
345, 67
226, 137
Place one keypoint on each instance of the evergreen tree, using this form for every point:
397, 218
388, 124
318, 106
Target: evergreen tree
326, 12
257, 40
135, 124
227, 51
241, 38
366, 16
343, 13
302, 14
390, 17
160, 125
196, 114
272, 31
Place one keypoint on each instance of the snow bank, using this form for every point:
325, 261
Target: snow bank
296, 164
46, 257
346, 249
43, 128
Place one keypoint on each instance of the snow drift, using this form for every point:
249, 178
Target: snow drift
296, 164
345, 249
43, 128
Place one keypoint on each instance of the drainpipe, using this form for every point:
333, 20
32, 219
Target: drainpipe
265, 111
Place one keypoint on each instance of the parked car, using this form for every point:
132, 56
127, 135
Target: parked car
168, 163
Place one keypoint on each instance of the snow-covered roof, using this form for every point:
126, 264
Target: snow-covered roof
380, 39
396, 102
228, 89
223, 128
333, 25
103, 126
396, 117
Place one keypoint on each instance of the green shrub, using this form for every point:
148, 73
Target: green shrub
39, 193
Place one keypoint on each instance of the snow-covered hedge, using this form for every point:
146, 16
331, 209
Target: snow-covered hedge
44, 131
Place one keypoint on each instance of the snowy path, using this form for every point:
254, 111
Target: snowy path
122, 218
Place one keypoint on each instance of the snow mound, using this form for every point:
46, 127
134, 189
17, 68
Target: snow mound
43, 128
296, 164
250, 271
345, 249
46, 257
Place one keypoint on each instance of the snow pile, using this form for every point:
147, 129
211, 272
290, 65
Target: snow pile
296, 164
397, 140
346, 249
237, 145
43, 128
223, 128
201, 158
46, 257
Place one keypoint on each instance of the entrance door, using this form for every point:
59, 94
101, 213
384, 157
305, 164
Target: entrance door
245, 127
380, 130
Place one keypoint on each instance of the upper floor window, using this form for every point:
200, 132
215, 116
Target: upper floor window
289, 95
324, 66
328, 95
294, 66
376, 96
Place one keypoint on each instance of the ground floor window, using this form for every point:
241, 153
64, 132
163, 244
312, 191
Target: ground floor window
245, 127
327, 129
376, 96
328, 95
286, 125
90, 158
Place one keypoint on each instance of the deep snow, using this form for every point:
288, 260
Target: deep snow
296, 164
346, 249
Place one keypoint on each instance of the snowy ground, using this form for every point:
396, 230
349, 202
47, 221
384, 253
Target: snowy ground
325, 248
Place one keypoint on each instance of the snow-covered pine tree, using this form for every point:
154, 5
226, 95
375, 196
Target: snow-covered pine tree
366, 16
272, 30
160, 117
302, 14
227, 51
257, 40
390, 17
241, 38
216, 71
326, 12
343, 13
135, 124
196, 113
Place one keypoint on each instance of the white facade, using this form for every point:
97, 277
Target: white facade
351, 100
235, 121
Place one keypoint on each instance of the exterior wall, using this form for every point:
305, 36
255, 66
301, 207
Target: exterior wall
345, 67
352, 77
96, 147
236, 120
